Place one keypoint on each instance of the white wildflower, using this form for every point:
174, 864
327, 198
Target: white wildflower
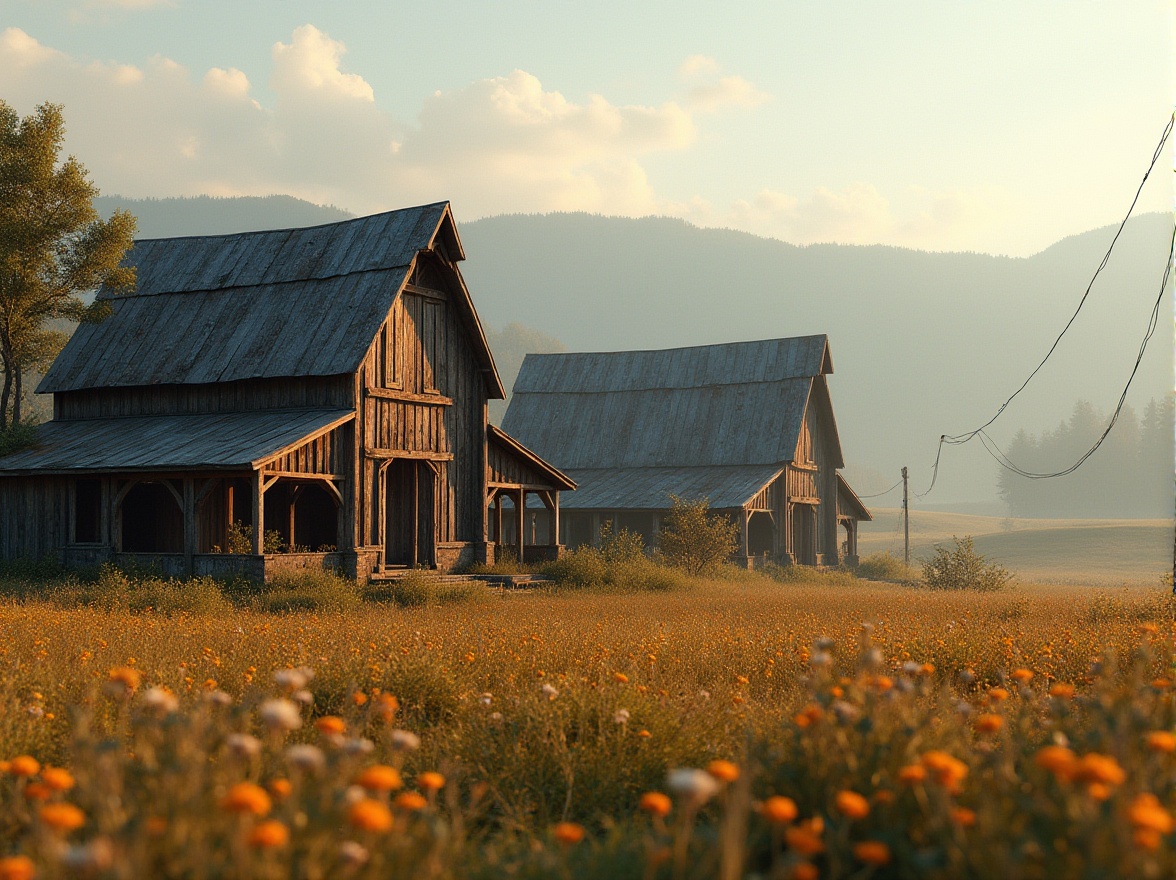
621, 716
359, 746
243, 745
353, 853
548, 691
303, 696
161, 701
486, 699
308, 758
405, 740
695, 786
280, 714
291, 679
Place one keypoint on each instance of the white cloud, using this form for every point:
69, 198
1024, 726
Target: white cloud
708, 91
859, 213
500, 144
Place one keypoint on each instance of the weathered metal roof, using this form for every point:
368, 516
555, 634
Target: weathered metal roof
849, 503
650, 488
281, 303
545, 470
171, 442
737, 404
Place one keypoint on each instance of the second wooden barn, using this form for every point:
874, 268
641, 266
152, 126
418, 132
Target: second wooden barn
748, 426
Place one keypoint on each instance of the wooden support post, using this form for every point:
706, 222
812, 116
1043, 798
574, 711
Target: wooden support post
521, 517
746, 530
228, 512
258, 514
906, 521
555, 537
189, 524
294, 493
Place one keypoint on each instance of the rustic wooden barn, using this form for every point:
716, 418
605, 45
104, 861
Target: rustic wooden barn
318, 394
749, 426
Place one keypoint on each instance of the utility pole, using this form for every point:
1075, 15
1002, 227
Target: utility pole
906, 521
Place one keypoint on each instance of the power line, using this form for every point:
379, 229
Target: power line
995, 452
880, 494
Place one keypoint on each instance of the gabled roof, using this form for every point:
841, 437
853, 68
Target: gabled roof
736, 404
280, 303
849, 503
216, 441
544, 470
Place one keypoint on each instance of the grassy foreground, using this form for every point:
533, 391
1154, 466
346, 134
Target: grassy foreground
1027, 733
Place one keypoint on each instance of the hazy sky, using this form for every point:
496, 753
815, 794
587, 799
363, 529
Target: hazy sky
941, 124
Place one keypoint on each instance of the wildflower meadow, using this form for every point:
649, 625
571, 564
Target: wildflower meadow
733, 727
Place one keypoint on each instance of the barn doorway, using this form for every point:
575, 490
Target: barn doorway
152, 519
409, 526
804, 533
761, 532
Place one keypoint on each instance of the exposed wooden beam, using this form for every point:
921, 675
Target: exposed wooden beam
376, 452
408, 396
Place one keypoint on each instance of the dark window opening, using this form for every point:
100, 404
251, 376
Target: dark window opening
88, 511
152, 521
316, 519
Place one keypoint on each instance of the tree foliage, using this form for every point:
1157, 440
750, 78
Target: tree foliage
1130, 474
695, 539
53, 247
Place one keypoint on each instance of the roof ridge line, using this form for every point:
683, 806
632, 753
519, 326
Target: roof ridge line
136, 294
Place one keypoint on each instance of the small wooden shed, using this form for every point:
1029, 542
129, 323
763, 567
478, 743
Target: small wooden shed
748, 426
305, 398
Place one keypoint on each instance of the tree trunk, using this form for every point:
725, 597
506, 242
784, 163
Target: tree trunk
16, 394
7, 393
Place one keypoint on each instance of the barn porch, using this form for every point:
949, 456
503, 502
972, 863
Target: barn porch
516, 478
185, 495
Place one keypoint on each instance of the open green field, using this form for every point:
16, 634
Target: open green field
830, 728
1062, 551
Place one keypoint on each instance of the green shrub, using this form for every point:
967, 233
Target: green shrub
806, 574
418, 588
962, 568
306, 591
114, 589
619, 545
694, 539
589, 568
885, 567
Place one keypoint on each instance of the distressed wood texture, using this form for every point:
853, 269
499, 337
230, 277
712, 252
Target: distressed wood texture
317, 382
749, 426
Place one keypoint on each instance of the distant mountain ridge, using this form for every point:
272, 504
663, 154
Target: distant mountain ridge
923, 343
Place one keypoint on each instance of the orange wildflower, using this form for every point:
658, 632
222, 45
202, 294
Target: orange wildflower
1147, 812
852, 804
1062, 691
385, 706
872, 852
124, 680
912, 774
24, 765
1161, 741
883, 796
58, 778
412, 801
155, 826
963, 817
568, 833
380, 777
1021, 676
620, 678
431, 781
1147, 838
948, 771
724, 771
779, 810
883, 683
62, 817
808, 715
37, 791
246, 797
988, 723
370, 815
330, 725
16, 868
655, 803
1103, 769
805, 871
805, 837
1098, 792
997, 694
270, 834
1058, 760
280, 788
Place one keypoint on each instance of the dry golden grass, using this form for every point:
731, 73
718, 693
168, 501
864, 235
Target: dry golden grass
541, 709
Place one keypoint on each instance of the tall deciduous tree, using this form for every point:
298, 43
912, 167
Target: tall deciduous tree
53, 247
